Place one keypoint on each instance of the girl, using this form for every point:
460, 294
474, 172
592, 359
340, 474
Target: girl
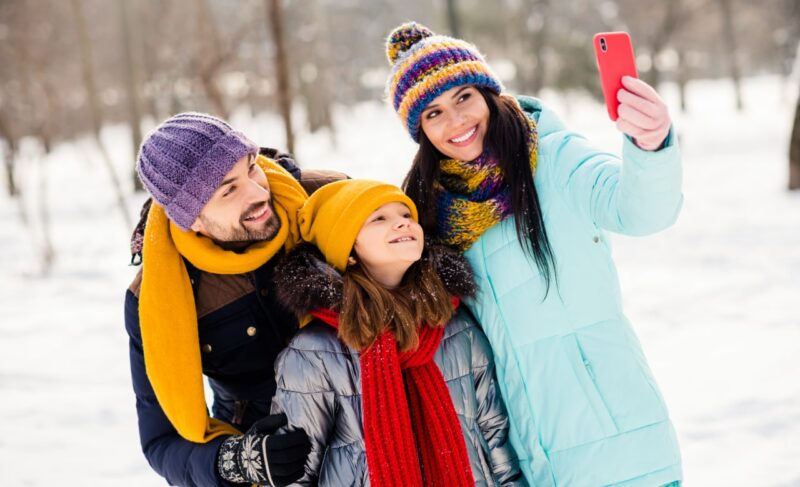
393, 385
528, 202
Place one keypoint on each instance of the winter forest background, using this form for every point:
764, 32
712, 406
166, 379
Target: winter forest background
714, 299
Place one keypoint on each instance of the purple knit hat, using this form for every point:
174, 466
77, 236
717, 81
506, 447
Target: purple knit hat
184, 160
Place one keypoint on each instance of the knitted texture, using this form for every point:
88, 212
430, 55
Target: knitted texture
184, 160
425, 65
411, 431
167, 312
473, 197
335, 213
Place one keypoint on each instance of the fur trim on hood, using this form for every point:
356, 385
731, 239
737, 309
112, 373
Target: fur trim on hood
306, 282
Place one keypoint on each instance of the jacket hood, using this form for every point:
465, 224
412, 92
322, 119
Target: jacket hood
547, 122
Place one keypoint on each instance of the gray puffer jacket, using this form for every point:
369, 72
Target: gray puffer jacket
319, 383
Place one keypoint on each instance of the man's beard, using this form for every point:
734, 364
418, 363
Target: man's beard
243, 235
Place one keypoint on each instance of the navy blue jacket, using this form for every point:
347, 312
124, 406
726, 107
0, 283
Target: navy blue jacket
242, 329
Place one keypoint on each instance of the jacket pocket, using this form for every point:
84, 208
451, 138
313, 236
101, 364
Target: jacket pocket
622, 376
570, 411
584, 372
223, 335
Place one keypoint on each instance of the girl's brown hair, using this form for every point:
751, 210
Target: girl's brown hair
369, 309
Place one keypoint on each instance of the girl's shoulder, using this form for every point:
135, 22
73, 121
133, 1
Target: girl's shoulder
464, 337
463, 323
315, 361
317, 337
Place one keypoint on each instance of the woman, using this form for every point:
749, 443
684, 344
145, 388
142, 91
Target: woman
393, 385
528, 202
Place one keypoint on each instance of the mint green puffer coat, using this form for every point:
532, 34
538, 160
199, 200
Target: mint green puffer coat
583, 405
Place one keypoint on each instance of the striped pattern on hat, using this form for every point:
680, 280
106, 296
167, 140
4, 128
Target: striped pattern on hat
426, 65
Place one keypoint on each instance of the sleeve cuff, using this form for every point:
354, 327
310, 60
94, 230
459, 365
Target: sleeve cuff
668, 142
227, 465
666, 153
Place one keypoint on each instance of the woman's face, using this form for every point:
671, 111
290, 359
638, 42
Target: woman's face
388, 243
456, 122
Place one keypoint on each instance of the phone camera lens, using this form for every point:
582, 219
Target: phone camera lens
603, 45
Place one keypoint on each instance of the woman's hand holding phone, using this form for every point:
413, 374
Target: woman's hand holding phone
642, 114
631, 103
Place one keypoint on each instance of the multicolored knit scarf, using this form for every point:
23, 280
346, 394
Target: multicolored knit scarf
411, 431
473, 196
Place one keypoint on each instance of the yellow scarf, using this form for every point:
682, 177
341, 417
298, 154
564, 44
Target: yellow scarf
167, 313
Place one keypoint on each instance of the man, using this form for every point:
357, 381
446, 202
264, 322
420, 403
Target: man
204, 303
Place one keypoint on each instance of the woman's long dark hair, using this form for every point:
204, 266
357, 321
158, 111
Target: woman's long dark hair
507, 138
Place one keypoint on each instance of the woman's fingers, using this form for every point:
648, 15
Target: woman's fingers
642, 114
634, 116
644, 105
639, 87
628, 128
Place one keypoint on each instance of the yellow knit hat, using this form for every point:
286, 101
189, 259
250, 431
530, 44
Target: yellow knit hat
334, 214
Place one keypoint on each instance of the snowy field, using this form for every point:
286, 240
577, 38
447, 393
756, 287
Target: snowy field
715, 299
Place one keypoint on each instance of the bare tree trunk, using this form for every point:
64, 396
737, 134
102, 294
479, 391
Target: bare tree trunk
46, 251
275, 26
210, 59
317, 91
44, 131
10, 157
730, 49
539, 47
670, 23
794, 150
94, 105
318, 103
129, 37
683, 78
85, 46
8, 161
24, 67
214, 94
452, 18
150, 18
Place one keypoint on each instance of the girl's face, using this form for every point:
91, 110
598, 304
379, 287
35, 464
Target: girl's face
456, 122
388, 243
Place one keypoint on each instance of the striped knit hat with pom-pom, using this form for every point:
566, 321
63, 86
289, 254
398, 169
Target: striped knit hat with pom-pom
425, 65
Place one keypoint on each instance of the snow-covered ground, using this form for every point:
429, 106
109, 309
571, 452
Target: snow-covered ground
714, 299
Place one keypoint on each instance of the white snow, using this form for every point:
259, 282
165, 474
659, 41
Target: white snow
715, 299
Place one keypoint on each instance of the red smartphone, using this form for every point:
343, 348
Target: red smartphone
614, 54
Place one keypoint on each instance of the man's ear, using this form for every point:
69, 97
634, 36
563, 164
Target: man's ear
198, 226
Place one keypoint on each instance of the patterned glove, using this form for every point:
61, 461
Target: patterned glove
263, 458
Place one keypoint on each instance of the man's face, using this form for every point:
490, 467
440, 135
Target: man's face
240, 212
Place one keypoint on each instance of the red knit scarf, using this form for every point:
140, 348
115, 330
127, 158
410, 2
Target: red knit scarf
411, 425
